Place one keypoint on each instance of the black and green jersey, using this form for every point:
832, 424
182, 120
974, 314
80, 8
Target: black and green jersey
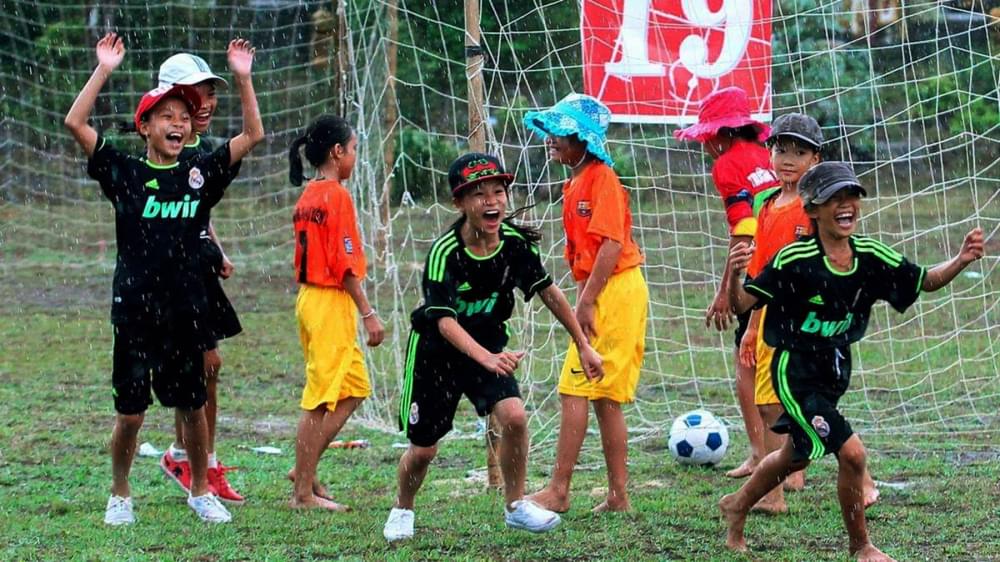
811, 305
158, 213
477, 291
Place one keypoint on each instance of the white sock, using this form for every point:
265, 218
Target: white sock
212, 461
179, 455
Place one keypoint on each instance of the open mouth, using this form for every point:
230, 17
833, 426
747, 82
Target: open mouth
491, 217
844, 219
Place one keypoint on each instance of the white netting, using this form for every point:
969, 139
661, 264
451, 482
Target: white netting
910, 95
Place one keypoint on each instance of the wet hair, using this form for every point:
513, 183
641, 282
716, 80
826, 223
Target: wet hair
746, 132
795, 142
323, 134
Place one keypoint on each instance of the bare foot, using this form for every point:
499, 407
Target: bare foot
796, 481
550, 500
743, 470
871, 494
319, 490
606, 505
734, 523
869, 553
316, 502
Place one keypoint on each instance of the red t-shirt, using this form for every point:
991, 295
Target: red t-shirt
327, 243
739, 174
595, 207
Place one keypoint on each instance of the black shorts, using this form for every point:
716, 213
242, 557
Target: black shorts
158, 358
809, 385
221, 314
742, 322
435, 379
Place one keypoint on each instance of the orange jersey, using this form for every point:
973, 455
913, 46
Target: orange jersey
595, 207
776, 228
327, 243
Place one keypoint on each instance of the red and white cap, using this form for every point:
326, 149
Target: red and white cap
187, 94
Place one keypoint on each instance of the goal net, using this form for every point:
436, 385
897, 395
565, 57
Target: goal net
908, 94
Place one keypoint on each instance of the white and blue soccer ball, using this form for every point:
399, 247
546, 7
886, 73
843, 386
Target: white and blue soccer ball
698, 438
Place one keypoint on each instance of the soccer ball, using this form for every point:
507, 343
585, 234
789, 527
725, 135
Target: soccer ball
698, 438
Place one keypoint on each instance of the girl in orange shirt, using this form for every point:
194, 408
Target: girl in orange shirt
329, 266
612, 296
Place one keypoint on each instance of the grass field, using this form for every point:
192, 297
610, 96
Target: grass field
924, 374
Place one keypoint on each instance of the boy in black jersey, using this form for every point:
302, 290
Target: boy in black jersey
159, 302
819, 292
459, 333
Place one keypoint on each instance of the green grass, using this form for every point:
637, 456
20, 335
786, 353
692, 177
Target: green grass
925, 399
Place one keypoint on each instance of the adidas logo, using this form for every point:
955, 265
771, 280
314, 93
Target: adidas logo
818, 299
152, 184
464, 287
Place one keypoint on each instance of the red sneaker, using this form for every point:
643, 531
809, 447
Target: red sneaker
220, 486
178, 471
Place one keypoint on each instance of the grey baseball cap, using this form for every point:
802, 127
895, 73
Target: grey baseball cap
823, 180
796, 125
186, 69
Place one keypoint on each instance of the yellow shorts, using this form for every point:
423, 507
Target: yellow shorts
763, 387
621, 338
328, 331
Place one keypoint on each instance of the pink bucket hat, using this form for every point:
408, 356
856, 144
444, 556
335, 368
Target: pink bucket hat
727, 108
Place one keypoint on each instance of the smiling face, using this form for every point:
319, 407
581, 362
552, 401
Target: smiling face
790, 159
568, 151
209, 102
165, 127
838, 217
484, 206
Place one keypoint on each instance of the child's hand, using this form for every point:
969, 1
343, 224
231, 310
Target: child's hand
240, 56
110, 51
376, 332
593, 365
748, 348
739, 259
503, 363
972, 247
228, 267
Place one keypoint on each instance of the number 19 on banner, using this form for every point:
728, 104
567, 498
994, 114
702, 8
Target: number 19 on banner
653, 61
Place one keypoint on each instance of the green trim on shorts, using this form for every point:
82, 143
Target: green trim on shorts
793, 408
407, 394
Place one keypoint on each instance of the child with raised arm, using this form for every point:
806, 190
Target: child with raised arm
457, 344
742, 169
329, 266
819, 292
612, 297
191, 70
158, 297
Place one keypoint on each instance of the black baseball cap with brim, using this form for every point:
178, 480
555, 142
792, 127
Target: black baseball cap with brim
474, 168
825, 179
797, 126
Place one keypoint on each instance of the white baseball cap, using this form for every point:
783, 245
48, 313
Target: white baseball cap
186, 69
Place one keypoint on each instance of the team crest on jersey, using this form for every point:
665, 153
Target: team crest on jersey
195, 179
414, 413
761, 176
822, 428
348, 245
583, 209
800, 231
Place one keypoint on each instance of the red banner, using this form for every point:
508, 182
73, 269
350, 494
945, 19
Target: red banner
653, 61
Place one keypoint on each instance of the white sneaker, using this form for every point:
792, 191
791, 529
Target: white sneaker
119, 511
209, 508
399, 525
530, 516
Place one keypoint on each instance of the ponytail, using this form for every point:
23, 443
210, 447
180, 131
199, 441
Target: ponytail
295, 172
323, 134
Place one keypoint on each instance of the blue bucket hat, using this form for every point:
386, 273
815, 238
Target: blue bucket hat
578, 114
